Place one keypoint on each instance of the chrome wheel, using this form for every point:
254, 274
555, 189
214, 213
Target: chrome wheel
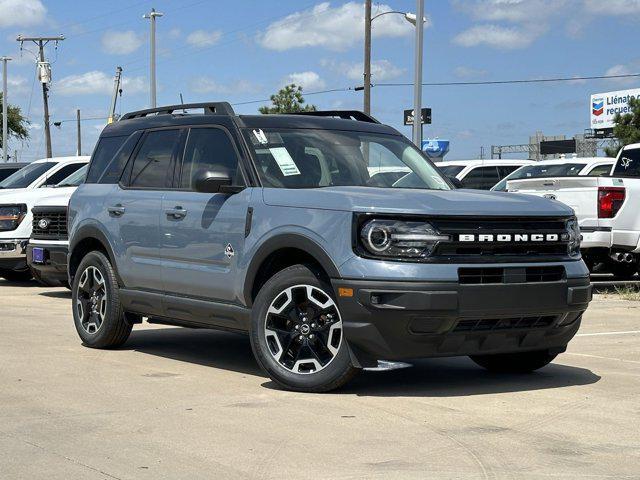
91, 303
303, 329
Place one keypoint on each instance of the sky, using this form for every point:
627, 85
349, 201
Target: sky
243, 51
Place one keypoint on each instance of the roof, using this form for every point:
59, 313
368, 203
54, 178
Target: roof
488, 162
585, 160
13, 165
70, 159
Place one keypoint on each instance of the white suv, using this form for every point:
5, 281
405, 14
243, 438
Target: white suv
18, 194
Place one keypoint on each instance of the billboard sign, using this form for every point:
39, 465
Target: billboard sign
604, 106
426, 116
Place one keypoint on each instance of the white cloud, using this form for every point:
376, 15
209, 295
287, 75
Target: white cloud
613, 7
336, 28
175, 33
515, 11
307, 80
495, 36
21, 13
208, 85
624, 69
123, 43
202, 38
17, 85
468, 72
381, 70
96, 82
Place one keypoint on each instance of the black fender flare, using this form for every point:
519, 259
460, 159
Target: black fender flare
93, 232
286, 240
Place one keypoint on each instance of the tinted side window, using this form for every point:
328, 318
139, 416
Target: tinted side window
151, 163
600, 171
63, 173
208, 149
506, 170
102, 156
628, 164
117, 165
482, 178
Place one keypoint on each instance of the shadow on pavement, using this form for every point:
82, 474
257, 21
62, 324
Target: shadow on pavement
210, 348
57, 294
453, 377
27, 283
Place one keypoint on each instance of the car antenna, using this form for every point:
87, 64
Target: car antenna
182, 103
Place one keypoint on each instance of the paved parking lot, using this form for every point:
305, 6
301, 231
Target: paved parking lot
188, 404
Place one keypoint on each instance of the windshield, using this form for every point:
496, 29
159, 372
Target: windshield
450, 170
26, 176
75, 178
307, 158
541, 171
629, 164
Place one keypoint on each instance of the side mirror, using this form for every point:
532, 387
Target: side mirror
456, 183
215, 181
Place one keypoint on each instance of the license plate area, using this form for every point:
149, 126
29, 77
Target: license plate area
38, 255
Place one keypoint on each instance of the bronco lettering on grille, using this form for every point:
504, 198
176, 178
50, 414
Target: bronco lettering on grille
512, 237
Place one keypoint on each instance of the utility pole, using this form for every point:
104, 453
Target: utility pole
5, 128
114, 98
367, 57
44, 73
152, 61
417, 82
79, 132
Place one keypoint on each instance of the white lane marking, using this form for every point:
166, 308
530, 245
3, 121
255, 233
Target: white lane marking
603, 358
628, 332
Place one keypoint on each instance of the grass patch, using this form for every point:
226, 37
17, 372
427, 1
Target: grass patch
629, 292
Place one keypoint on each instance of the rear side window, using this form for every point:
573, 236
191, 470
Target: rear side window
103, 156
506, 170
153, 160
600, 171
61, 174
629, 164
481, 178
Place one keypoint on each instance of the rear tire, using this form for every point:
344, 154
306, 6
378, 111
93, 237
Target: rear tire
97, 312
524, 362
296, 332
16, 275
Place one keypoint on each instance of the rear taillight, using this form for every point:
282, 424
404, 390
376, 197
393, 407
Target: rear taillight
610, 199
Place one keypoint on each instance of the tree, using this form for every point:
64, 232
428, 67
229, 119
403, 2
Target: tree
17, 124
627, 128
288, 100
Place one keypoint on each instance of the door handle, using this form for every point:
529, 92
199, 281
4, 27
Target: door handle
176, 213
116, 210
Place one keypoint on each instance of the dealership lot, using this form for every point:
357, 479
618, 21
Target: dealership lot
177, 403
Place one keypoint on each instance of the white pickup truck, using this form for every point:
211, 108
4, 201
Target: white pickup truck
608, 210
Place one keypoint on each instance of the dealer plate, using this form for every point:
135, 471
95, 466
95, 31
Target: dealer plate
38, 255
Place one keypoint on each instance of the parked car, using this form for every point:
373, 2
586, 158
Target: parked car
480, 174
590, 166
18, 193
272, 225
49, 243
7, 169
606, 208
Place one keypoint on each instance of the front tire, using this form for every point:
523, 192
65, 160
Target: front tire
97, 312
524, 362
296, 332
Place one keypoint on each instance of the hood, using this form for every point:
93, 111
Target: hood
414, 201
30, 197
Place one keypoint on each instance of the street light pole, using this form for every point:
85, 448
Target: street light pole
417, 81
5, 131
152, 61
367, 57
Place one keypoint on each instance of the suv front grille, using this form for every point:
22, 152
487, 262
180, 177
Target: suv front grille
476, 325
56, 223
492, 251
483, 276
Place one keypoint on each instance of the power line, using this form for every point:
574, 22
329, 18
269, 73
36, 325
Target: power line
319, 92
503, 82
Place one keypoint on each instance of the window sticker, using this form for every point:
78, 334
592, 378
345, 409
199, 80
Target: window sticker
286, 164
260, 136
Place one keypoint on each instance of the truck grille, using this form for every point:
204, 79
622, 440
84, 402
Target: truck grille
49, 223
492, 251
474, 325
483, 276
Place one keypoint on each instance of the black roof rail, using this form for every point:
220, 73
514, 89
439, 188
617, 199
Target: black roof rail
211, 108
344, 114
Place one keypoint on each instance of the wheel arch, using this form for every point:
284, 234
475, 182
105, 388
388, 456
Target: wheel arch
89, 238
280, 252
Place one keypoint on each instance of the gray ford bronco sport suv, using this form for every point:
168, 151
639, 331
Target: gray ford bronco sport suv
328, 237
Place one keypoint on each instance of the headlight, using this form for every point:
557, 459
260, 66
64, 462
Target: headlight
399, 238
574, 237
11, 216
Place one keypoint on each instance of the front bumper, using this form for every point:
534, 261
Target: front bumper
55, 261
393, 320
13, 248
